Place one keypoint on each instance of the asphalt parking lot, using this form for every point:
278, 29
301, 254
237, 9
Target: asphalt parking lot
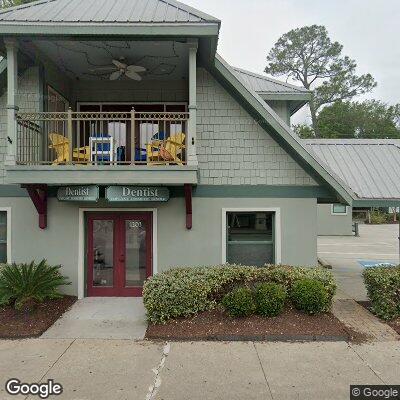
344, 253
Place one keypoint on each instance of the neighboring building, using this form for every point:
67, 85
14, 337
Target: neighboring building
128, 146
370, 167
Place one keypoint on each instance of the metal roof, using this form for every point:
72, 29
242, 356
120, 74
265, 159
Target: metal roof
371, 168
264, 84
105, 11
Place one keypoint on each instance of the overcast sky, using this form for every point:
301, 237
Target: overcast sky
368, 30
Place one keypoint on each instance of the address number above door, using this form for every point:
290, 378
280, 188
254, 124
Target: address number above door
136, 193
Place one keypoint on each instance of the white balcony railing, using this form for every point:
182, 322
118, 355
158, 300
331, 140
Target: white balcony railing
96, 138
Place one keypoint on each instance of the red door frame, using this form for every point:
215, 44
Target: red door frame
119, 250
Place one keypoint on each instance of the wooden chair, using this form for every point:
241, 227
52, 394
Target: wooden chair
166, 152
61, 146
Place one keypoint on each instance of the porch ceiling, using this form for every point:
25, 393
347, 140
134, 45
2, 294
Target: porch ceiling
86, 60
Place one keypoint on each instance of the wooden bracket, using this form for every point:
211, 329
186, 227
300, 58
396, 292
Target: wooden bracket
38, 195
188, 203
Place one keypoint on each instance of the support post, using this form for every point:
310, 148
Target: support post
133, 139
188, 204
69, 135
12, 92
38, 195
192, 123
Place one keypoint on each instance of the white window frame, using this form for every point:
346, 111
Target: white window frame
338, 213
82, 241
8, 212
278, 229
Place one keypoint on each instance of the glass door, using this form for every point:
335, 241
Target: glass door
119, 253
137, 251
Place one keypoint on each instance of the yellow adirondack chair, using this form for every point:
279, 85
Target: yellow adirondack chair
166, 152
61, 146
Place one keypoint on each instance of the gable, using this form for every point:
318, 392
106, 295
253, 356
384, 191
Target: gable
233, 149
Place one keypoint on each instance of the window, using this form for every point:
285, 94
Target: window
250, 238
56, 103
4, 256
339, 209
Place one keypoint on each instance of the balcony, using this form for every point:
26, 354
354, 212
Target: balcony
103, 148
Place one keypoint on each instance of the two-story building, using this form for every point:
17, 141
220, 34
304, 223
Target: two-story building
129, 146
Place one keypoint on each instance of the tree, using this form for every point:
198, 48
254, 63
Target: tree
308, 56
370, 119
11, 3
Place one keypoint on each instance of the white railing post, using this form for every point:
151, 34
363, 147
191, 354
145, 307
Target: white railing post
133, 138
12, 93
191, 137
69, 134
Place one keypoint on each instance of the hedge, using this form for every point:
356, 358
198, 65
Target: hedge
383, 287
310, 296
181, 292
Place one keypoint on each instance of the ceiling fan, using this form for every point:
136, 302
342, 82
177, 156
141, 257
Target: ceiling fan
120, 69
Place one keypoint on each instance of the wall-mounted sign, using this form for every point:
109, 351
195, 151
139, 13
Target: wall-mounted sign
136, 193
78, 193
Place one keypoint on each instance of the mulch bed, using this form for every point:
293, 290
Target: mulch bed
291, 325
394, 324
19, 324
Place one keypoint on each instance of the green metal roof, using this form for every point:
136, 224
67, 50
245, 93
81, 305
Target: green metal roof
263, 84
370, 167
273, 89
105, 11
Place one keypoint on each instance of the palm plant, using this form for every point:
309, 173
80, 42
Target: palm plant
23, 283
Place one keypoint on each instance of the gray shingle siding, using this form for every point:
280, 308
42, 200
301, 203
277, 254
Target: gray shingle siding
232, 148
29, 100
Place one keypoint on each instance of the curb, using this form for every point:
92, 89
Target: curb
261, 338
324, 264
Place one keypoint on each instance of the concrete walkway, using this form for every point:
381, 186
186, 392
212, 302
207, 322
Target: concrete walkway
125, 369
376, 242
101, 318
361, 320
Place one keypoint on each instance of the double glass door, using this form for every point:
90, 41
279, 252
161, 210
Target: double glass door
119, 253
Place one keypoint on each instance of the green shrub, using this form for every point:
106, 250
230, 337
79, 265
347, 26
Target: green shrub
239, 302
378, 217
310, 296
383, 287
181, 292
23, 283
270, 299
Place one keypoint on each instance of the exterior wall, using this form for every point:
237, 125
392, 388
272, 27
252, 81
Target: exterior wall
281, 107
334, 224
58, 81
28, 100
232, 148
200, 246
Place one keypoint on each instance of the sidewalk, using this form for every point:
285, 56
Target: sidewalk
125, 369
101, 318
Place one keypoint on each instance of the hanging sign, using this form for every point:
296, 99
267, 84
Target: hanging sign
78, 193
137, 193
